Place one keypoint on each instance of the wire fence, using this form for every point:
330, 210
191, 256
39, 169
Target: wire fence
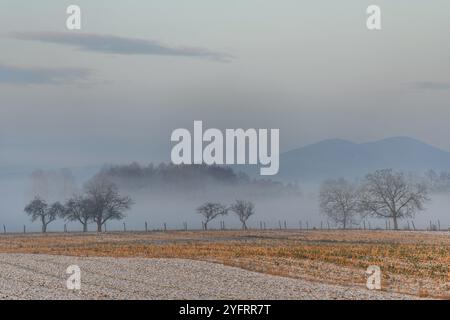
261, 225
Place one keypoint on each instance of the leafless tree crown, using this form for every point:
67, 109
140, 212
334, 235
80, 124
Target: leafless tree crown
38, 209
211, 210
389, 194
339, 201
243, 209
107, 204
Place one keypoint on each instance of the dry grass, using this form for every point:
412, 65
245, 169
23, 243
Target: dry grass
412, 262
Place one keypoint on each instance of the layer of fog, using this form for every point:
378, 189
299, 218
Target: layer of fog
173, 209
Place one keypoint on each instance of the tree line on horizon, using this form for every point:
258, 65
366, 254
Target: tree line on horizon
437, 182
386, 194
101, 201
167, 177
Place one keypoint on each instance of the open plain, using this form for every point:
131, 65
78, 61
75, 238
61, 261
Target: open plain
253, 264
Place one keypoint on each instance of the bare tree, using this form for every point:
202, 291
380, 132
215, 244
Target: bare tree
39, 209
389, 194
211, 210
105, 201
243, 209
339, 200
79, 208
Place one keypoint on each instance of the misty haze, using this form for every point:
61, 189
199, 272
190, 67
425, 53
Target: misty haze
125, 126
170, 194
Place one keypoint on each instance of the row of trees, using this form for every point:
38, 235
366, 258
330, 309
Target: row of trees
242, 208
437, 182
100, 202
382, 194
188, 179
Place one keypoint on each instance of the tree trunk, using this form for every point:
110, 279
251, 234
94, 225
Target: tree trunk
205, 224
85, 227
99, 226
44, 224
395, 222
244, 225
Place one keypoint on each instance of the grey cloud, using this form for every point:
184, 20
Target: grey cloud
17, 75
432, 85
120, 45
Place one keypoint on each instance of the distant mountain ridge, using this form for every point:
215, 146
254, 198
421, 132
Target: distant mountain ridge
330, 158
341, 158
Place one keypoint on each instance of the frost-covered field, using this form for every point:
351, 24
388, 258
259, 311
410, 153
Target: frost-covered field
36, 276
411, 262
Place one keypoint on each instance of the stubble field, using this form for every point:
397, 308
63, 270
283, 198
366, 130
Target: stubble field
415, 263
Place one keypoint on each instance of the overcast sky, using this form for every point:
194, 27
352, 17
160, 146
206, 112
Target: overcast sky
140, 69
